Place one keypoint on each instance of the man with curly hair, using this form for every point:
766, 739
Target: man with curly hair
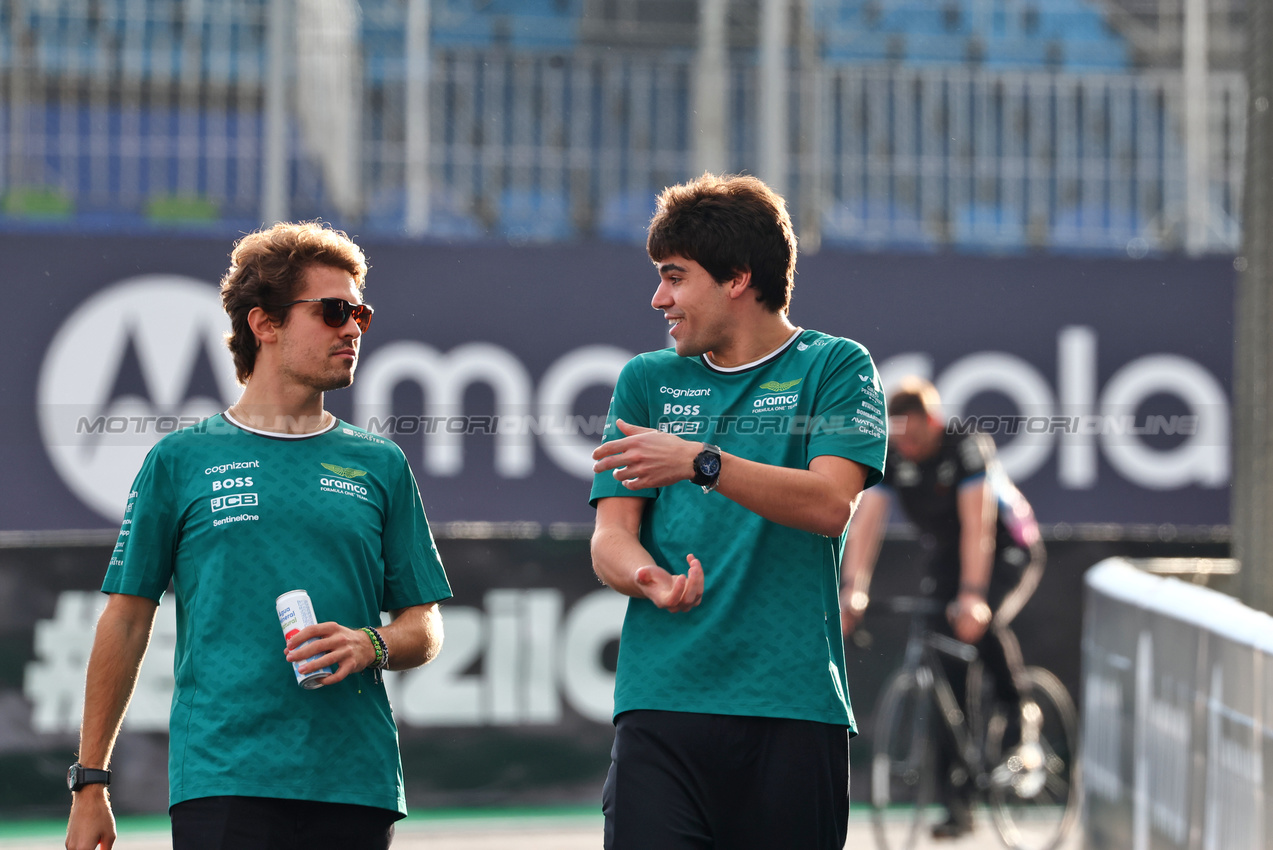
273, 495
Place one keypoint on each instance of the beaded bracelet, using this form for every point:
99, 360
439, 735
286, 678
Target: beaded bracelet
382, 648
375, 646
382, 652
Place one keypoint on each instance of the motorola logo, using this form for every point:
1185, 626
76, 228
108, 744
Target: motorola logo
144, 348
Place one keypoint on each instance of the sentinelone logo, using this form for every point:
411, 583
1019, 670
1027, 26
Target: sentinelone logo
158, 331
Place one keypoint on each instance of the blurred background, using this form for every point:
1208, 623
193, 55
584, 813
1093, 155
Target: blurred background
1035, 203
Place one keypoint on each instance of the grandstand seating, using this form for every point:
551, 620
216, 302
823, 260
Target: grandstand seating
625, 217
1002, 33
527, 24
529, 215
151, 113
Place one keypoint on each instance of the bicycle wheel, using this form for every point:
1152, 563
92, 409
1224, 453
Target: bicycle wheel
902, 763
1033, 789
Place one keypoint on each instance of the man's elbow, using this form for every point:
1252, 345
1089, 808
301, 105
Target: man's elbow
836, 515
433, 637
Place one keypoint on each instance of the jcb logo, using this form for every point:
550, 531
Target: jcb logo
234, 500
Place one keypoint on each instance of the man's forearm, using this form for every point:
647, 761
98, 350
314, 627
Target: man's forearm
977, 515
797, 498
616, 556
863, 546
119, 645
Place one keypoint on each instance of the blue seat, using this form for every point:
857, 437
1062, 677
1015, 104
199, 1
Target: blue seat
1110, 55
1083, 229
528, 215
981, 226
858, 47
449, 218
936, 49
875, 224
1017, 53
625, 217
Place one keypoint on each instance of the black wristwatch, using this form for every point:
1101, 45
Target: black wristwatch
77, 776
707, 468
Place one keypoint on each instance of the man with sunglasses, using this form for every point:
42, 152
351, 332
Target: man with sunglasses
273, 495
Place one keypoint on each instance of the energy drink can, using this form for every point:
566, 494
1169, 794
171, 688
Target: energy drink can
295, 612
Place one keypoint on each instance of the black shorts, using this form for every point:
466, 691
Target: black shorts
681, 781
267, 823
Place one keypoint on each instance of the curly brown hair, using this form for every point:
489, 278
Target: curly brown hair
268, 267
728, 224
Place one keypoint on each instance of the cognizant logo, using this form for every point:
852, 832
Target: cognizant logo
681, 392
143, 349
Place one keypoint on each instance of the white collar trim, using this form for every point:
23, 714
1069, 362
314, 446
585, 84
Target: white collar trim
275, 434
707, 361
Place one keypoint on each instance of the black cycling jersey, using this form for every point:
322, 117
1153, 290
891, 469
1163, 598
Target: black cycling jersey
928, 491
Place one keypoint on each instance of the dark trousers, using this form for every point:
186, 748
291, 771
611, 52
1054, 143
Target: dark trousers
681, 781
266, 823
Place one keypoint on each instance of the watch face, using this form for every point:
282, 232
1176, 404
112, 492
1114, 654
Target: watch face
72, 776
709, 464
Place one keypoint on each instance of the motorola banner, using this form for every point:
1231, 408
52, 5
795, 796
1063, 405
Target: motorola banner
1106, 383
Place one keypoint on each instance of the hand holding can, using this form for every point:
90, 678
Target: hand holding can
295, 612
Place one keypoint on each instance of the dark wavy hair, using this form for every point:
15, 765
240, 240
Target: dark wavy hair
728, 224
268, 268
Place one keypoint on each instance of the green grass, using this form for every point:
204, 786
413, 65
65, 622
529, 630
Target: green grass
181, 209
48, 828
42, 203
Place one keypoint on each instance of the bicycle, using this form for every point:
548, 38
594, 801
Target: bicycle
1030, 788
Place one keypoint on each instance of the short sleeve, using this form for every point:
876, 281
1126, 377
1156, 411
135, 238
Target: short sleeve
629, 404
142, 562
413, 570
848, 417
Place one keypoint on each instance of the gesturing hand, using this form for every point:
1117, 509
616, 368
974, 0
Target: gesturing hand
646, 458
675, 593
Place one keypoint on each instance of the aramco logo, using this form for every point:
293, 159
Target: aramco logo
140, 359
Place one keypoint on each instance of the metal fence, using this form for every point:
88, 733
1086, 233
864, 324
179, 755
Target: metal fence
148, 113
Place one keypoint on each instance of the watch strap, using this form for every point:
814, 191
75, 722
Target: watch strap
79, 776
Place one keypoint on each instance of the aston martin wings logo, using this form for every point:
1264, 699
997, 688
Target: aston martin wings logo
344, 471
779, 386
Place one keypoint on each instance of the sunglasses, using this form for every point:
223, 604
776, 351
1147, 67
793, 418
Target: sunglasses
336, 311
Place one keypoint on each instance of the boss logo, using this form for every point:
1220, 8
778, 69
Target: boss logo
681, 409
231, 483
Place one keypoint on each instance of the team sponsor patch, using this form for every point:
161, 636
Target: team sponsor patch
233, 500
680, 427
344, 471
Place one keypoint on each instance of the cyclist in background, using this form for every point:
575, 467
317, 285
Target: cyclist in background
984, 557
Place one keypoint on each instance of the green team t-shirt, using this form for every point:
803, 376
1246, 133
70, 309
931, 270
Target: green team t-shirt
766, 639
234, 518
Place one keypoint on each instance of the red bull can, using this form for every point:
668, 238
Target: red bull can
295, 612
